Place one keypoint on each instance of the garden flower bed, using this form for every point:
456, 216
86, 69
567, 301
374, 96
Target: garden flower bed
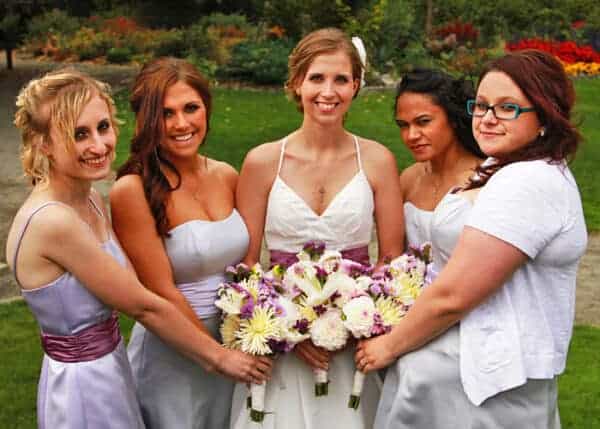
578, 60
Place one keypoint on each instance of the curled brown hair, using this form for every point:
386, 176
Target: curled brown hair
319, 42
542, 79
56, 99
145, 158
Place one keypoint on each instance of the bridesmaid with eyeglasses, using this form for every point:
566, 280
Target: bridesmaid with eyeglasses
484, 344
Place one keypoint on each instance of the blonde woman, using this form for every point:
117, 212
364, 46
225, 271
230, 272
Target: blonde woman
71, 269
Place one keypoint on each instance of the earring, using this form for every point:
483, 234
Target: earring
543, 132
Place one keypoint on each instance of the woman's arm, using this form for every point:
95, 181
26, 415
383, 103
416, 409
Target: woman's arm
479, 266
72, 246
252, 194
382, 171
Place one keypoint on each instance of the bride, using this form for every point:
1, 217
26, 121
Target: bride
319, 183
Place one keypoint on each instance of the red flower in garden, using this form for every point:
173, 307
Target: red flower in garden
568, 51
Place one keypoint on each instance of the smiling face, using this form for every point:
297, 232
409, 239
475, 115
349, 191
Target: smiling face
496, 137
185, 120
327, 89
424, 126
94, 147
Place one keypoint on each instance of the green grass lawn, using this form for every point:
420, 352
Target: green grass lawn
21, 356
244, 118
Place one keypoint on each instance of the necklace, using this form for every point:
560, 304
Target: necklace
436, 185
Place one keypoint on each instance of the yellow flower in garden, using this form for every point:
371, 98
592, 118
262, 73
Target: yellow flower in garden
256, 332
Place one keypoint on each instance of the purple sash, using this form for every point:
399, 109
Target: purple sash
356, 254
89, 344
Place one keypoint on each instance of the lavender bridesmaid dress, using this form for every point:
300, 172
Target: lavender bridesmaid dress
86, 380
173, 391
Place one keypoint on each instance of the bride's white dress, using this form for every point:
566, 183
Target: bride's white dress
347, 223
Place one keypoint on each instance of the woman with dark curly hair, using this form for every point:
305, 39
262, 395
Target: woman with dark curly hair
173, 211
436, 128
484, 344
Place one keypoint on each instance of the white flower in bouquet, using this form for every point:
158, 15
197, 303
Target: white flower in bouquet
345, 287
359, 316
290, 322
230, 301
328, 330
256, 331
304, 276
363, 283
330, 261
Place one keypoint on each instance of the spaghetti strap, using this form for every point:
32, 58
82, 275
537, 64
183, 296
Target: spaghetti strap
24, 229
95, 206
358, 159
283, 142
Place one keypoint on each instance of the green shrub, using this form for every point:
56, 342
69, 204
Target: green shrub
43, 31
119, 55
207, 67
88, 44
299, 17
199, 43
54, 22
213, 36
262, 62
170, 43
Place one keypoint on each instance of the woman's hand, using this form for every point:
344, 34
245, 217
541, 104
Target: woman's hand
316, 357
374, 353
244, 367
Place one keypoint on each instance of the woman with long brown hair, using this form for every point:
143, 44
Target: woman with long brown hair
173, 211
484, 344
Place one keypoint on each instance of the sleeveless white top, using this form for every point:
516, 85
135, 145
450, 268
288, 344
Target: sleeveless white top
345, 224
418, 225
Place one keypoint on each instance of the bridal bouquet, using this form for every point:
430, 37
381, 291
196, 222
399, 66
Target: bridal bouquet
257, 319
389, 295
319, 284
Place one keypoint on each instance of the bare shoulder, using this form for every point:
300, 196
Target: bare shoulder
126, 187
263, 156
409, 175
42, 221
223, 171
375, 153
55, 223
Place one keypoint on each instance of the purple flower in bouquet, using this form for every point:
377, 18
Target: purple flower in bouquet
321, 274
301, 326
314, 249
247, 309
